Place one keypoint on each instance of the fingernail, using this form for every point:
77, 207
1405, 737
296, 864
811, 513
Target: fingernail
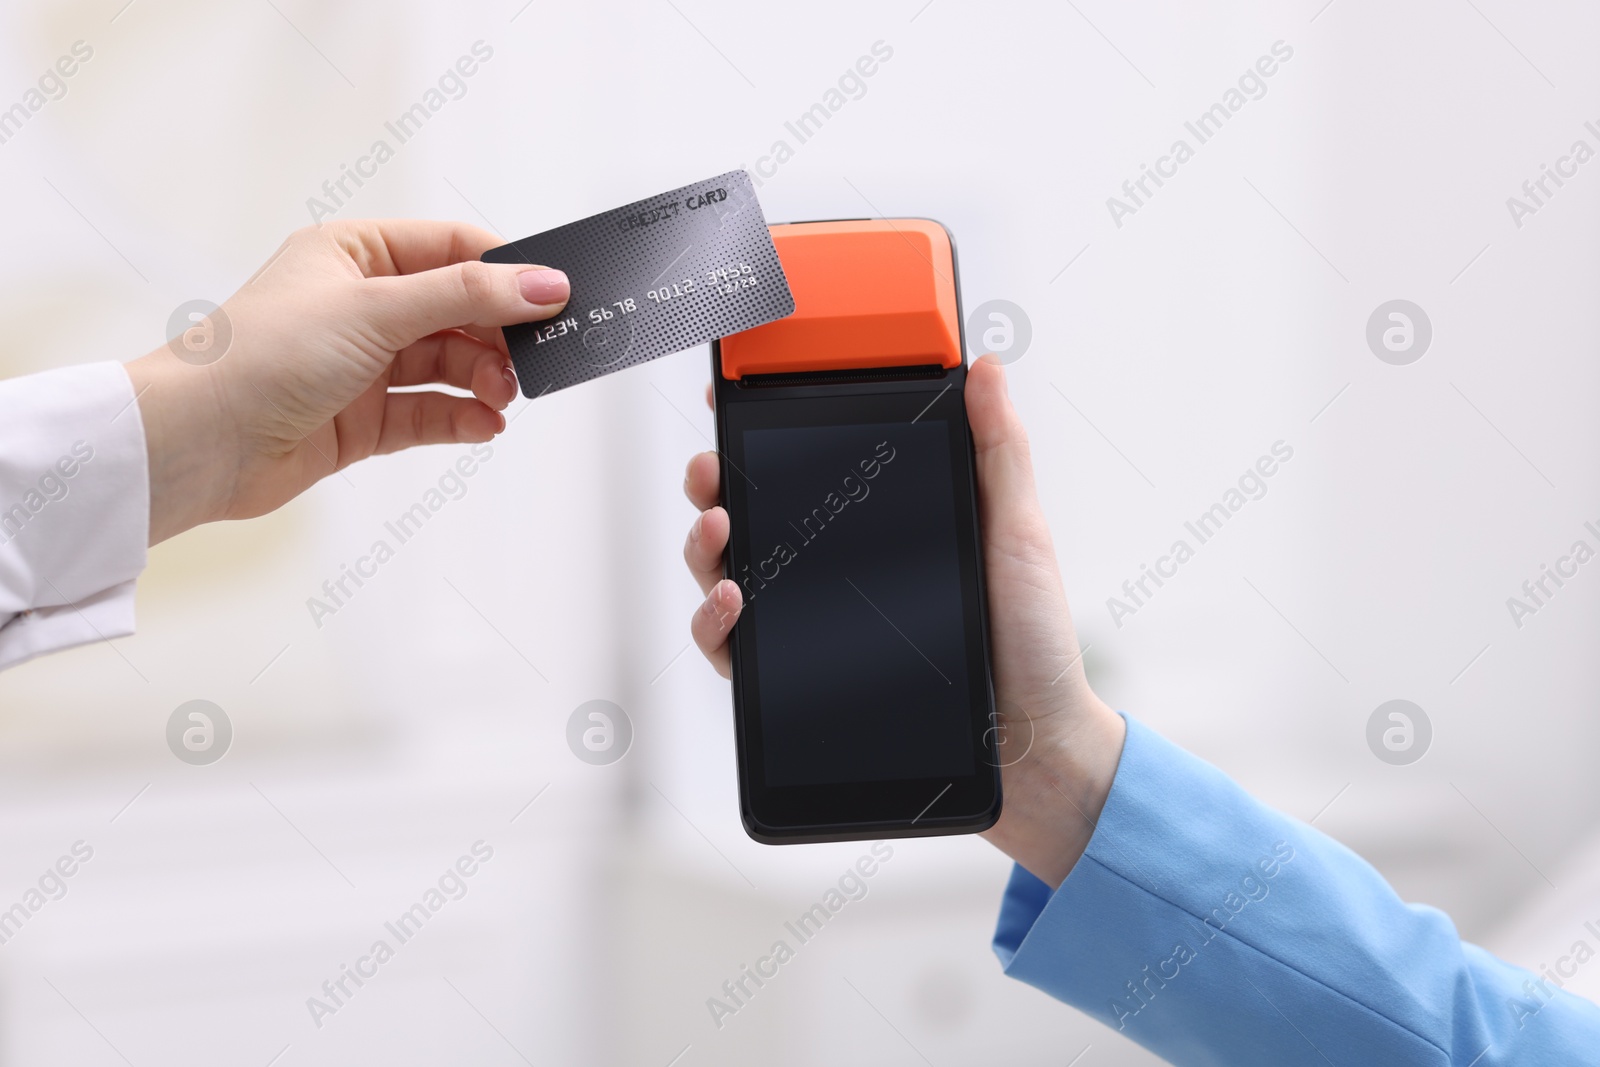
510, 377
694, 531
544, 286
710, 606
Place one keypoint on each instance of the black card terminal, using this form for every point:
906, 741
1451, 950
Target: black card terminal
863, 700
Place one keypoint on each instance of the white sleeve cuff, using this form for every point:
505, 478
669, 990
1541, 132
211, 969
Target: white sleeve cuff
74, 508
99, 617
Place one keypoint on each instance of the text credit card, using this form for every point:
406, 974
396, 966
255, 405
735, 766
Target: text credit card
649, 279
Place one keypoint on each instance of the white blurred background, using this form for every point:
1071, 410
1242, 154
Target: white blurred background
1168, 353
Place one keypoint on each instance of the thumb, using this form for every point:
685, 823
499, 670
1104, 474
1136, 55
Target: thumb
473, 293
1006, 489
1034, 644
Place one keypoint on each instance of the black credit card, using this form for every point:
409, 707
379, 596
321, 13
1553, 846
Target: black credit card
649, 279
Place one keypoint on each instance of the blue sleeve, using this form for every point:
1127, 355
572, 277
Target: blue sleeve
1213, 930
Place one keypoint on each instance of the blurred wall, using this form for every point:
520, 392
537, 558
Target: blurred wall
1177, 336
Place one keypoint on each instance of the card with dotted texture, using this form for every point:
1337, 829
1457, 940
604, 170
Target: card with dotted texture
649, 279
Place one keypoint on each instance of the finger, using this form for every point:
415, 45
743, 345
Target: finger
1007, 491
711, 397
998, 435
702, 481
712, 622
403, 309
409, 246
492, 336
702, 551
453, 358
411, 419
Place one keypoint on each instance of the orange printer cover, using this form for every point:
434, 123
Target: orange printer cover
867, 293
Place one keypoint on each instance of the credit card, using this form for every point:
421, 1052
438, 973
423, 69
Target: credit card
649, 279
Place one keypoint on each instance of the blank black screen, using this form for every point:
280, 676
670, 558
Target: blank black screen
854, 593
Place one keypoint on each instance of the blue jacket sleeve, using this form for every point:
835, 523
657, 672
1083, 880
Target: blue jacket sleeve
1214, 930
